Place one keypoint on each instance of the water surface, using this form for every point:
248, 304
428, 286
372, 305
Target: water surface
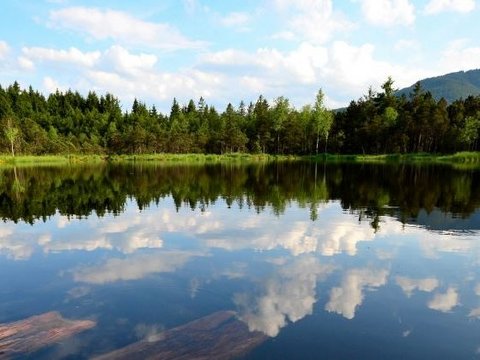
324, 261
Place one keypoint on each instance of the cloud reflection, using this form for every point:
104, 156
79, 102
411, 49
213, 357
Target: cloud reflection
345, 299
446, 301
134, 267
409, 285
289, 296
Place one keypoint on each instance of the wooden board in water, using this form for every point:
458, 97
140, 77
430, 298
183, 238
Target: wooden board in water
217, 336
36, 332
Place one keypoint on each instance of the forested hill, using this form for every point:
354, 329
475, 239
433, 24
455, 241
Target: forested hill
379, 122
453, 86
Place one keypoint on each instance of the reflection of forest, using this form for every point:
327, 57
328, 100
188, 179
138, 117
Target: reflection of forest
370, 190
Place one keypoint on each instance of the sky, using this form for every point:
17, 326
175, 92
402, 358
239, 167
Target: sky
228, 51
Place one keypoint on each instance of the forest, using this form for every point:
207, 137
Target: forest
378, 123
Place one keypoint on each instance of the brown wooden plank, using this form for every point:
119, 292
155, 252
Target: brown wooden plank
217, 336
36, 332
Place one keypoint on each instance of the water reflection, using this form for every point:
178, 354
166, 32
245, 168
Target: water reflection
134, 267
273, 251
372, 191
350, 294
288, 295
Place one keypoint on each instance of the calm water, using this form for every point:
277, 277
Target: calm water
334, 262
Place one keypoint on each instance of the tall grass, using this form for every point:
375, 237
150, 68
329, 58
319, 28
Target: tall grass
466, 159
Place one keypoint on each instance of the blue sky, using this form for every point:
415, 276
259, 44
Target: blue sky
227, 51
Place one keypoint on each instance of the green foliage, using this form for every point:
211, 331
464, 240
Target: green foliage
378, 123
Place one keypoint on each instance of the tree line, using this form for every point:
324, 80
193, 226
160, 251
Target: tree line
379, 122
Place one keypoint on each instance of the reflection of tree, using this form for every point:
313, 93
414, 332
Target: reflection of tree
370, 190
17, 186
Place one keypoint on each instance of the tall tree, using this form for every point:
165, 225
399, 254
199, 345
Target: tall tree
322, 120
11, 133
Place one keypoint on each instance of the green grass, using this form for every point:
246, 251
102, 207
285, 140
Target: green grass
30, 160
464, 159
461, 159
39, 160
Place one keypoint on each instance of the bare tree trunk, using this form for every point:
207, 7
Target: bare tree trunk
13, 150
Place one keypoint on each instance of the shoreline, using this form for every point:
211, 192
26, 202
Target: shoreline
460, 158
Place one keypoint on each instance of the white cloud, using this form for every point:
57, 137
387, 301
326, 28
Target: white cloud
122, 61
235, 19
120, 27
26, 63
459, 56
288, 297
72, 56
4, 49
345, 299
283, 35
134, 267
444, 302
438, 6
388, 12
119, 71
409, 285
300, 65
51, 85
313, 20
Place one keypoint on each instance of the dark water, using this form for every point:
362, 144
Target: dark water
334, 262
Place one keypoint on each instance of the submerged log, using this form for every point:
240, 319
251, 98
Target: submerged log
217, 336
36, 332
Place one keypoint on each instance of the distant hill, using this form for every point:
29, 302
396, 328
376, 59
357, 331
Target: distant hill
451, 86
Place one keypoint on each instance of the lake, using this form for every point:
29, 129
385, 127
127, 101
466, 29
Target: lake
288, 260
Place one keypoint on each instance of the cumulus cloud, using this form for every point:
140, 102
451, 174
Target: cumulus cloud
4, 49
458, 55
409, 285
72, 56
444, 302
119, 71
345, 299
301, 65
438, 6
134, 267
388, 12
51, 85
290, 296
313, 20
120, 27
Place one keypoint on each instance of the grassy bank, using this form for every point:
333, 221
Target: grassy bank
468, 159
47, 160
472, 158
